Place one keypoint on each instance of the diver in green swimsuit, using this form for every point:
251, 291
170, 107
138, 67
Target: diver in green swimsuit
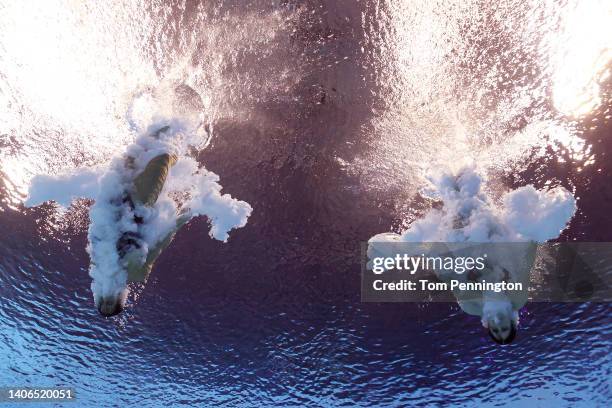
139, 205
145, 191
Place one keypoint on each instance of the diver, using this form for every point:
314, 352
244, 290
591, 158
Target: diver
499, 311
138, 206
506, 262
510, 229
140, 195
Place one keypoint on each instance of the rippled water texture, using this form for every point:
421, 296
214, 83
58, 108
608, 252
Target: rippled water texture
326, 118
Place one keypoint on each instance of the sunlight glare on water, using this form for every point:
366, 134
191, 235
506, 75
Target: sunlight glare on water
583, 55
69, 72
469, 81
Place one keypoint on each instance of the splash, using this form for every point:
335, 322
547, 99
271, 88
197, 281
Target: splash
469, 214
190, 190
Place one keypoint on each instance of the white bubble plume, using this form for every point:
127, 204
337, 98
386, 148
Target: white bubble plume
189, 191
469, 214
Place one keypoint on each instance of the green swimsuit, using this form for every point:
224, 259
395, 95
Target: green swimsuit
146, 189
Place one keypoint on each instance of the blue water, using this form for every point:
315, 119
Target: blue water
276, 322
273, 317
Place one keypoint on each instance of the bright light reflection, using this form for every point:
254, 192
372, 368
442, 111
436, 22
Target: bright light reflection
582, 57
